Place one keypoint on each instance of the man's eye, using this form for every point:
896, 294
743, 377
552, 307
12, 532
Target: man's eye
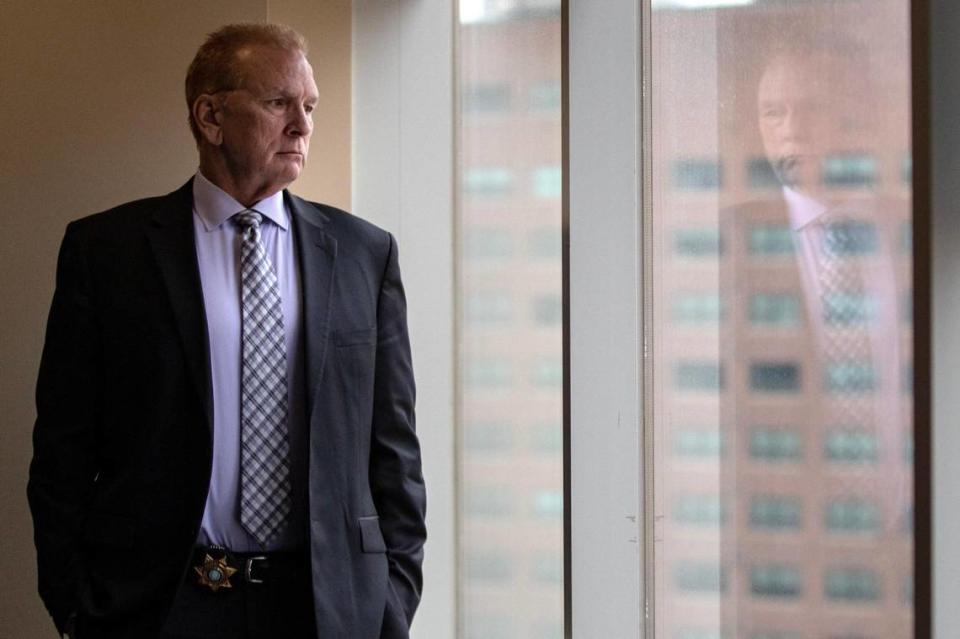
278, 102
308, 108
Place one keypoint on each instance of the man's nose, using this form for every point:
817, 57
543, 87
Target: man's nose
797, 123
301, 123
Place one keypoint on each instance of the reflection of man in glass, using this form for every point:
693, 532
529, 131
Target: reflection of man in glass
824, 147
825, 534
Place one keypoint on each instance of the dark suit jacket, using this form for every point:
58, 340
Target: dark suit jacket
122, 443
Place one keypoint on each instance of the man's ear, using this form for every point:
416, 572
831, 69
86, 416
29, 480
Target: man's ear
208, 114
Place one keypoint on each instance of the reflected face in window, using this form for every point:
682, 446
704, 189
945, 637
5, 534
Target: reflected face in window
806, 108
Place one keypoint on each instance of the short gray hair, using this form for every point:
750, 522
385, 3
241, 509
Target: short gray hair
214, 68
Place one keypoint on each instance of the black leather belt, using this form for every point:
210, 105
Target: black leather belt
216, 567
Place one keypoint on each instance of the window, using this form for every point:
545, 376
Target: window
725, 201
851, 445
489, 373
906, 170
489, 501
852, 515
698, 634
906, 238
489, 308
850, 238
487, 181
850, 377
547, 569
548, 504
490, 437
547, 438
775, 377
547, 182
489, 566
776, 581
770, 240
486, 98
774, 309
852, 585
775, 444
775, 512
850, 171
704, 242
699, 376
480, 626
487, 244
760, 175
702, 577
547, 310
545, 97
696, 175
545, 244
849, 309
699, 510
548, 373
697, 308
698, 443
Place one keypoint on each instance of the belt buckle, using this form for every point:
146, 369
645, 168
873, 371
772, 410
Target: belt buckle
248, 569
215, 573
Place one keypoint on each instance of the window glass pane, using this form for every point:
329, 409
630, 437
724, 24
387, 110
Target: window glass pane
486, 98
774, 377
696, 308
770, 239
852, 515
547, 181
509, 351
487, 181
487, 436
852, 585
699, 509
545, 96
695, 442
775, 581
775, 512
775, 309
846, 445
696, 175
697, 242
775, 444
777, 208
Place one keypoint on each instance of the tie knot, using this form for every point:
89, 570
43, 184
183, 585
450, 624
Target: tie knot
248, 219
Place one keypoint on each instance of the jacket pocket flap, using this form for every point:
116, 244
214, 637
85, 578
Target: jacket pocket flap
371, 538
100, 528
363, 336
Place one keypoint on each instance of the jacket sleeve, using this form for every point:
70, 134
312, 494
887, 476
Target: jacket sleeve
396, 478
62, 471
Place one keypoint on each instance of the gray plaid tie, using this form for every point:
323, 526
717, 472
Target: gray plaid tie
264, 449
846, 317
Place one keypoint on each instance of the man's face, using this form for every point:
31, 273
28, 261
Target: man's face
806, 111
266, 125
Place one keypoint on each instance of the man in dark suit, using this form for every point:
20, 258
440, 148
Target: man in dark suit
225, 441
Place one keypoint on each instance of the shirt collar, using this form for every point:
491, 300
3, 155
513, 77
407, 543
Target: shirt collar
215, 206
803, 208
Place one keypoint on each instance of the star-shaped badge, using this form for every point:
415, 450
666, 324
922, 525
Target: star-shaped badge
215, 573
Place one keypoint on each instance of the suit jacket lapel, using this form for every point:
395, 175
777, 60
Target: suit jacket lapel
317, 254
171, 236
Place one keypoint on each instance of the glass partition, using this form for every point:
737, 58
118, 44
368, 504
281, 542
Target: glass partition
780, 217
509, 353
